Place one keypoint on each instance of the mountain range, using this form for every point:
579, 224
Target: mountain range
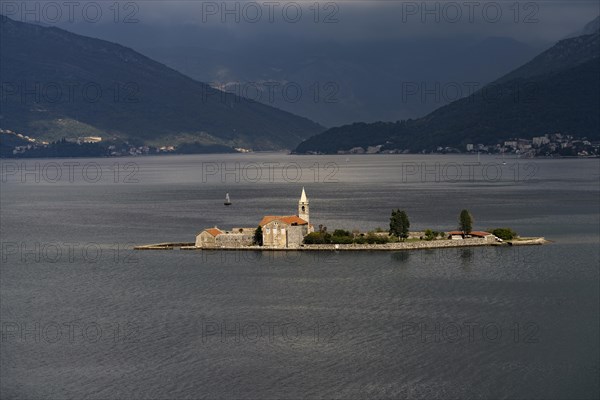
343, 83
59, 84
557, 91
345, 73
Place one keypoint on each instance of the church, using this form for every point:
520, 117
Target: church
283, 232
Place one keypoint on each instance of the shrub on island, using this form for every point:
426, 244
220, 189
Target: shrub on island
372, 238
433, 235
341, 232
317, 238
344, 237
504, 233
342, 240
360, 240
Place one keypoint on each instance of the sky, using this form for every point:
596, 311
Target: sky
217, 23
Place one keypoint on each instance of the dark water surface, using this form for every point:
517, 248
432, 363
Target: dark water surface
84, 316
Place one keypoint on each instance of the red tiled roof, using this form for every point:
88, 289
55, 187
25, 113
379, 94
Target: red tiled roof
214, 231
474, 233
289, 219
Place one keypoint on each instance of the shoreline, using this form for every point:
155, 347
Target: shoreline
420, 245
287, 153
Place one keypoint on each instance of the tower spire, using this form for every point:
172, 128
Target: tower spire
303, 211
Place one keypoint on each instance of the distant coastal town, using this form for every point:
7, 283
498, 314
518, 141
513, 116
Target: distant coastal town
295, 232
17, 145
549, 145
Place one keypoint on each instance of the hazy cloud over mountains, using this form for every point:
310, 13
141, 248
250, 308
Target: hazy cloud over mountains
334, 62
205, 22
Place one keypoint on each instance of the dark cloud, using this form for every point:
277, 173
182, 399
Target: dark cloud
335, 21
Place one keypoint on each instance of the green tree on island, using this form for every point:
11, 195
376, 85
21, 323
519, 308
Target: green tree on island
399, 224
430, 235
258, 236
465, 222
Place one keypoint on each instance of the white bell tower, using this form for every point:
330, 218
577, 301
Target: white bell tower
303, 210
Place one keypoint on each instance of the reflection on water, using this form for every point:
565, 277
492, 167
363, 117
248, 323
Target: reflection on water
401, 257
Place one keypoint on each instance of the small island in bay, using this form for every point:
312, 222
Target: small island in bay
295, 232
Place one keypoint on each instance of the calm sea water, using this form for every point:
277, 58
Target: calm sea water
84, 316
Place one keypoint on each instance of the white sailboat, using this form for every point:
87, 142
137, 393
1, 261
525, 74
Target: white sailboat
227, 200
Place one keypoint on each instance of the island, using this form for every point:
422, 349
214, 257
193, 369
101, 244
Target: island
295, 232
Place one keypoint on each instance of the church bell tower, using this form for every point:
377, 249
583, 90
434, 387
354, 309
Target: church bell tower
303, 211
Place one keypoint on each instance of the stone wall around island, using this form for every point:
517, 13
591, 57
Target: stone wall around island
411, 245
422, 244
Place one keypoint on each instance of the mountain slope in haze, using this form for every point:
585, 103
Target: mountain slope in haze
558, 91
59, 84
567, 53
588, 29
344, 82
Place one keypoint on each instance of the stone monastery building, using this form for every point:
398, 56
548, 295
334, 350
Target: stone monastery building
277, 231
